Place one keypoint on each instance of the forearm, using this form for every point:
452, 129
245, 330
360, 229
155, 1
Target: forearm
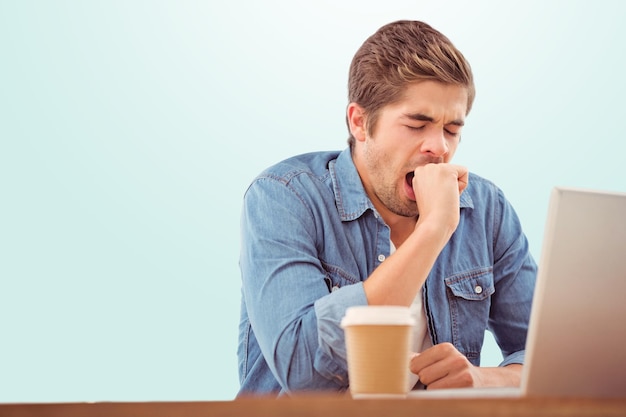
398, 280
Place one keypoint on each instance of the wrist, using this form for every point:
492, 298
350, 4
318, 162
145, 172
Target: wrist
434, 230
501, 376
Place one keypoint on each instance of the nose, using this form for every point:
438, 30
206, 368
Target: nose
435, 144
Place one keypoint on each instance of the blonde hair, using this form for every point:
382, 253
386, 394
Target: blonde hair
398, 54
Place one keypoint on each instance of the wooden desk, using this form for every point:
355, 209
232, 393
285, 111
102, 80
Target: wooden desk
326, 406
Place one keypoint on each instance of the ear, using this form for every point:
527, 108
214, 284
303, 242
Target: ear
356, 121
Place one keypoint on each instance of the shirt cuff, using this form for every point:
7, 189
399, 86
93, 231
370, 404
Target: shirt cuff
515, 357
329, 310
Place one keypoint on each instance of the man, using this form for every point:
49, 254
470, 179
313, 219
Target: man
390, 220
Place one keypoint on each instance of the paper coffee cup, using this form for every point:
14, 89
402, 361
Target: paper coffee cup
378, 341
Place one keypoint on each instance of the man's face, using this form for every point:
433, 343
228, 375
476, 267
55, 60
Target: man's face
424, 127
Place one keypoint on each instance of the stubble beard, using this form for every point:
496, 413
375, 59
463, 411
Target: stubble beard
393, 201
389, 194
386, 189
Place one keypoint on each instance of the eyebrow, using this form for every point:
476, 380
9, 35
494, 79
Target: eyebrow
424, 118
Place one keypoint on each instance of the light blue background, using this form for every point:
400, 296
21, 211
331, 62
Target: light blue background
130, 129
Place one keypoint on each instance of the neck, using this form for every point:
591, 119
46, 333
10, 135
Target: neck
401, 228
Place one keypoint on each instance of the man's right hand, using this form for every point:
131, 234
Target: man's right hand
437, 190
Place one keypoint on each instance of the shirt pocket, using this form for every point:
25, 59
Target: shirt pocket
474, 285
469, 296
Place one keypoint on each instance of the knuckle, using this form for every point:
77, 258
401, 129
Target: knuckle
447, 347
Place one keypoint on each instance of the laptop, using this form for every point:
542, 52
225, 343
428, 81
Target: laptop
576, 344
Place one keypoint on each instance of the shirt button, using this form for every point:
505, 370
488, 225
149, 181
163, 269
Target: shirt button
478, 289
381, 257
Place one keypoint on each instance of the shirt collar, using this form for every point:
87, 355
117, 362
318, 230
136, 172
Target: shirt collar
350, 196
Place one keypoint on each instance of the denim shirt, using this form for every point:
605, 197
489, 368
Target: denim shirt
310, 236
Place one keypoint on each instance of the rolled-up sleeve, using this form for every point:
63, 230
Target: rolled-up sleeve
329, 311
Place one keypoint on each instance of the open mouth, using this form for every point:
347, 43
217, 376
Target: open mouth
408, 188
409, 178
